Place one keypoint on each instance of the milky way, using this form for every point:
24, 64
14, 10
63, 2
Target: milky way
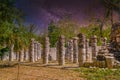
40, 12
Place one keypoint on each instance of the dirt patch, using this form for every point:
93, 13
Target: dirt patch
38, 72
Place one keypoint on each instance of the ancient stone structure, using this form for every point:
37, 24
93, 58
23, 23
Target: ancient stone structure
57, 50
104, 43
46, 50
35, 50
53, 54
38, 50
61, 50
94, 46
11, 53
81, 45
87, 50
17, 55
75, 50
21, 55
67, 51
26, 55
71, 50
32, 51
78, 51
115, 40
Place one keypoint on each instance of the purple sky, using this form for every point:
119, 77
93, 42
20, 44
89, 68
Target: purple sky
41, 12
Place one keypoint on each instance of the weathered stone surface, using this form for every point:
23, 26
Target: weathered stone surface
81, 45
67, 51
75, 49
94, 46
87, 50
35, 50
17, 55
31, 51
110, 62
61, 60
46, 50
71, 50
53, 54
11, 54
21, 55
104, 43
26, 55
115, 40
38, 50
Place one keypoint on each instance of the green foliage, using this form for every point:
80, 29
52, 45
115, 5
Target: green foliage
12, 30
93, 29
99, 74
68, 28
53, 33
3, 51
8, 11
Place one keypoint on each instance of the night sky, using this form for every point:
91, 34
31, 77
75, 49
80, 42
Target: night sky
41, 12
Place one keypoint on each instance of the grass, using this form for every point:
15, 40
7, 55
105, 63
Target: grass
99, 73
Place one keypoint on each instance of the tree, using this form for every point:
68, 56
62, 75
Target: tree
111, 5
53, 33
68, 27
8, 12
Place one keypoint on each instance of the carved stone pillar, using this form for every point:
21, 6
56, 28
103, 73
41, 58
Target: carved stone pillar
46, 50
94, 46
32, 51
82, 54
75, 50
61, 50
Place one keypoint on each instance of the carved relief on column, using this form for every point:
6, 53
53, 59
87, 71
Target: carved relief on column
87, 50
71, 50
75, 50
82, 54
31, 51
46, 50
61, 50
94, 46
38, 50
35, 50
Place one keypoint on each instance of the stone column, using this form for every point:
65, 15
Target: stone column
21, 55
67, 51
87, 50
31, 51
71, 50
17, 55
81, 45
61, 50
11, 54
75, 50
46, 50
26, 55
94, 46
57, 50
104, 43
38, 50
35, 50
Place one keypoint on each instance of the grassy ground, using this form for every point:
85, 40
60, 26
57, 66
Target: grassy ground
99, 73
38, 71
